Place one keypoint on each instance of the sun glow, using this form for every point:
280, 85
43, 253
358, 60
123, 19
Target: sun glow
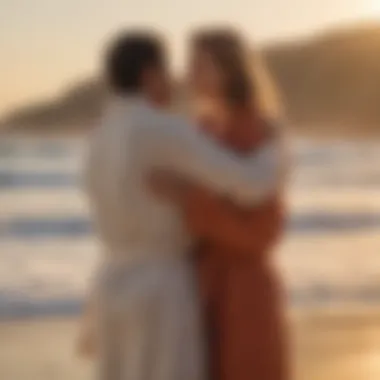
375, 8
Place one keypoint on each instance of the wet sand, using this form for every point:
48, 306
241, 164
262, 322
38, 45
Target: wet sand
337, 346
326, 347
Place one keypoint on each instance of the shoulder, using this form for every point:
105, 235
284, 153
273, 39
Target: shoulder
209, 114
160, 129
171, 119
273, 130
163, 122
269, 127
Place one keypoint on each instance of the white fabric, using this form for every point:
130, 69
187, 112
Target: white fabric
148, 312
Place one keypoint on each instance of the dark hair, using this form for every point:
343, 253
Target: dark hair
228, 51
128, 56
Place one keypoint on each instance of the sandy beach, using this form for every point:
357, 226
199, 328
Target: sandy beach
327, 346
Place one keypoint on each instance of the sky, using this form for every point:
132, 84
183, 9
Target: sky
47, 44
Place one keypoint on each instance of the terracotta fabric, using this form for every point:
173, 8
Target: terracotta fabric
242, 293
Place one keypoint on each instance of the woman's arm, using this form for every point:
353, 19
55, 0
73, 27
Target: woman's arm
212, 218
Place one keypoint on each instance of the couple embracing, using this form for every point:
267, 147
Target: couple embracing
188, 213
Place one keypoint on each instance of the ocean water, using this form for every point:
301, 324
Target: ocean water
330, 256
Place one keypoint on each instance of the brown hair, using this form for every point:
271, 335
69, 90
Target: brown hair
247, 81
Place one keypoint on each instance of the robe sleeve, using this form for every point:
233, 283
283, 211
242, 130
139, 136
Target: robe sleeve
177, 146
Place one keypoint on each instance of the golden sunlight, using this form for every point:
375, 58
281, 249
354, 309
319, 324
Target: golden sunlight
375, 7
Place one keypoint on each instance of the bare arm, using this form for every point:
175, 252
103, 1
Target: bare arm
247, 231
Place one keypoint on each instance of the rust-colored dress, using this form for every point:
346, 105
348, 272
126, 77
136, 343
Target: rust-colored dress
243, 295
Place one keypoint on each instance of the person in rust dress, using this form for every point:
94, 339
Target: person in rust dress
242, 292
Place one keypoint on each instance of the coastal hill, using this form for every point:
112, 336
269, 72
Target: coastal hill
328, 82
331, 81
76, 107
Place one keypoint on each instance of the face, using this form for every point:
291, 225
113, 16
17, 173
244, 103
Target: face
204, 76
157, 86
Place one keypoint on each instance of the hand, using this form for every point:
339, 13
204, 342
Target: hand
86, 345
167, 186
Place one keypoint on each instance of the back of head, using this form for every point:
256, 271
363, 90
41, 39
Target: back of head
128, 56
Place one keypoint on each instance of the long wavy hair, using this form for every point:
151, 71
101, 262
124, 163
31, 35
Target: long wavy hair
246, 79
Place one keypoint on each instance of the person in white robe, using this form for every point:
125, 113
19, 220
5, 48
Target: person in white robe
145, 304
